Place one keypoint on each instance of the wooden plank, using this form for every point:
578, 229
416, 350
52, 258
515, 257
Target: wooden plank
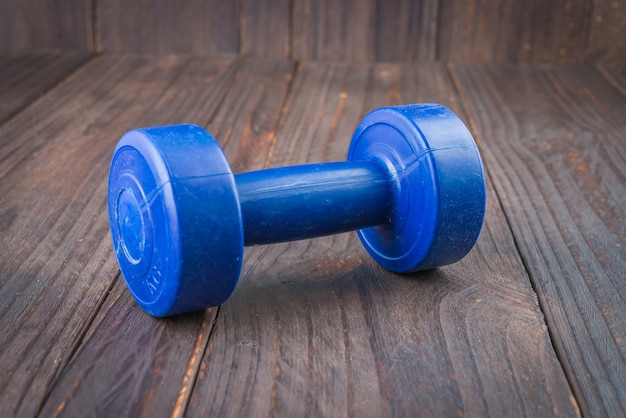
27, 25
130, 364
25, 77
57, 266
607, 43
315, 328
126, 348
514, 31
363, 31
265, 28
333, 30
165, 27
554, 139
406, 30
616, 76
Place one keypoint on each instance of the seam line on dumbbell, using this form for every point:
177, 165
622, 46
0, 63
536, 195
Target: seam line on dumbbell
154, 193
418, 157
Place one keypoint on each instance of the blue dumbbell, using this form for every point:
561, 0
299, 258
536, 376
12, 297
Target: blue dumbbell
413, 187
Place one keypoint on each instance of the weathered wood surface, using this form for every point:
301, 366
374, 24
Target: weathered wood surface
315, 327
164, 27
254, 27
554, 139
30, 25
56, 267
160, 359
617, 77
25, 77
265, 28
363, 31
607, 41
377, 30
511, 31
563, 31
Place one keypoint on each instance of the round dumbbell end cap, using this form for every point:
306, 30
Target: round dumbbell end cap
175, 219
437, 186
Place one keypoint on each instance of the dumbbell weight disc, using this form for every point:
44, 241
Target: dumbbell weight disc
437, 185
175, 219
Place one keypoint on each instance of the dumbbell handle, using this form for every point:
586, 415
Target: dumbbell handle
291, 203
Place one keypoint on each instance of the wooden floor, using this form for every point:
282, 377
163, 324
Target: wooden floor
531, 323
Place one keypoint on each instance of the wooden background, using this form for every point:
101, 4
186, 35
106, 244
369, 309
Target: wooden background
531, 323
557, 31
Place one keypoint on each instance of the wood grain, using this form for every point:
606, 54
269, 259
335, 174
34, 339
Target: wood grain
607, 42
616, 76
316, 328
264, 28
130, 364
166, 27
333, 30
364, 31
563, 31
32, 25
554, 139
58, 266
26, 77
514, 31
406, 30
259, 28
125, 348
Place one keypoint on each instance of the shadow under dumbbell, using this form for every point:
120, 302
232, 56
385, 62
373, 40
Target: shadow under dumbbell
325, 283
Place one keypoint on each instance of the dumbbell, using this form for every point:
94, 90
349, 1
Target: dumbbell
413, 186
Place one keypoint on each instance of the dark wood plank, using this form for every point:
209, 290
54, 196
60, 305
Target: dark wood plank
131, 364
406, 30
362, 31
265, 28
514, 31
25, 77
246, 122
616, 76
607, 42
57, 266
554, 139
27, 25
333, 30
315, 328
126, 348
165, 27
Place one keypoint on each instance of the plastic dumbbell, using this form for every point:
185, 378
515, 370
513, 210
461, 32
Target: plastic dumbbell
413, 186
